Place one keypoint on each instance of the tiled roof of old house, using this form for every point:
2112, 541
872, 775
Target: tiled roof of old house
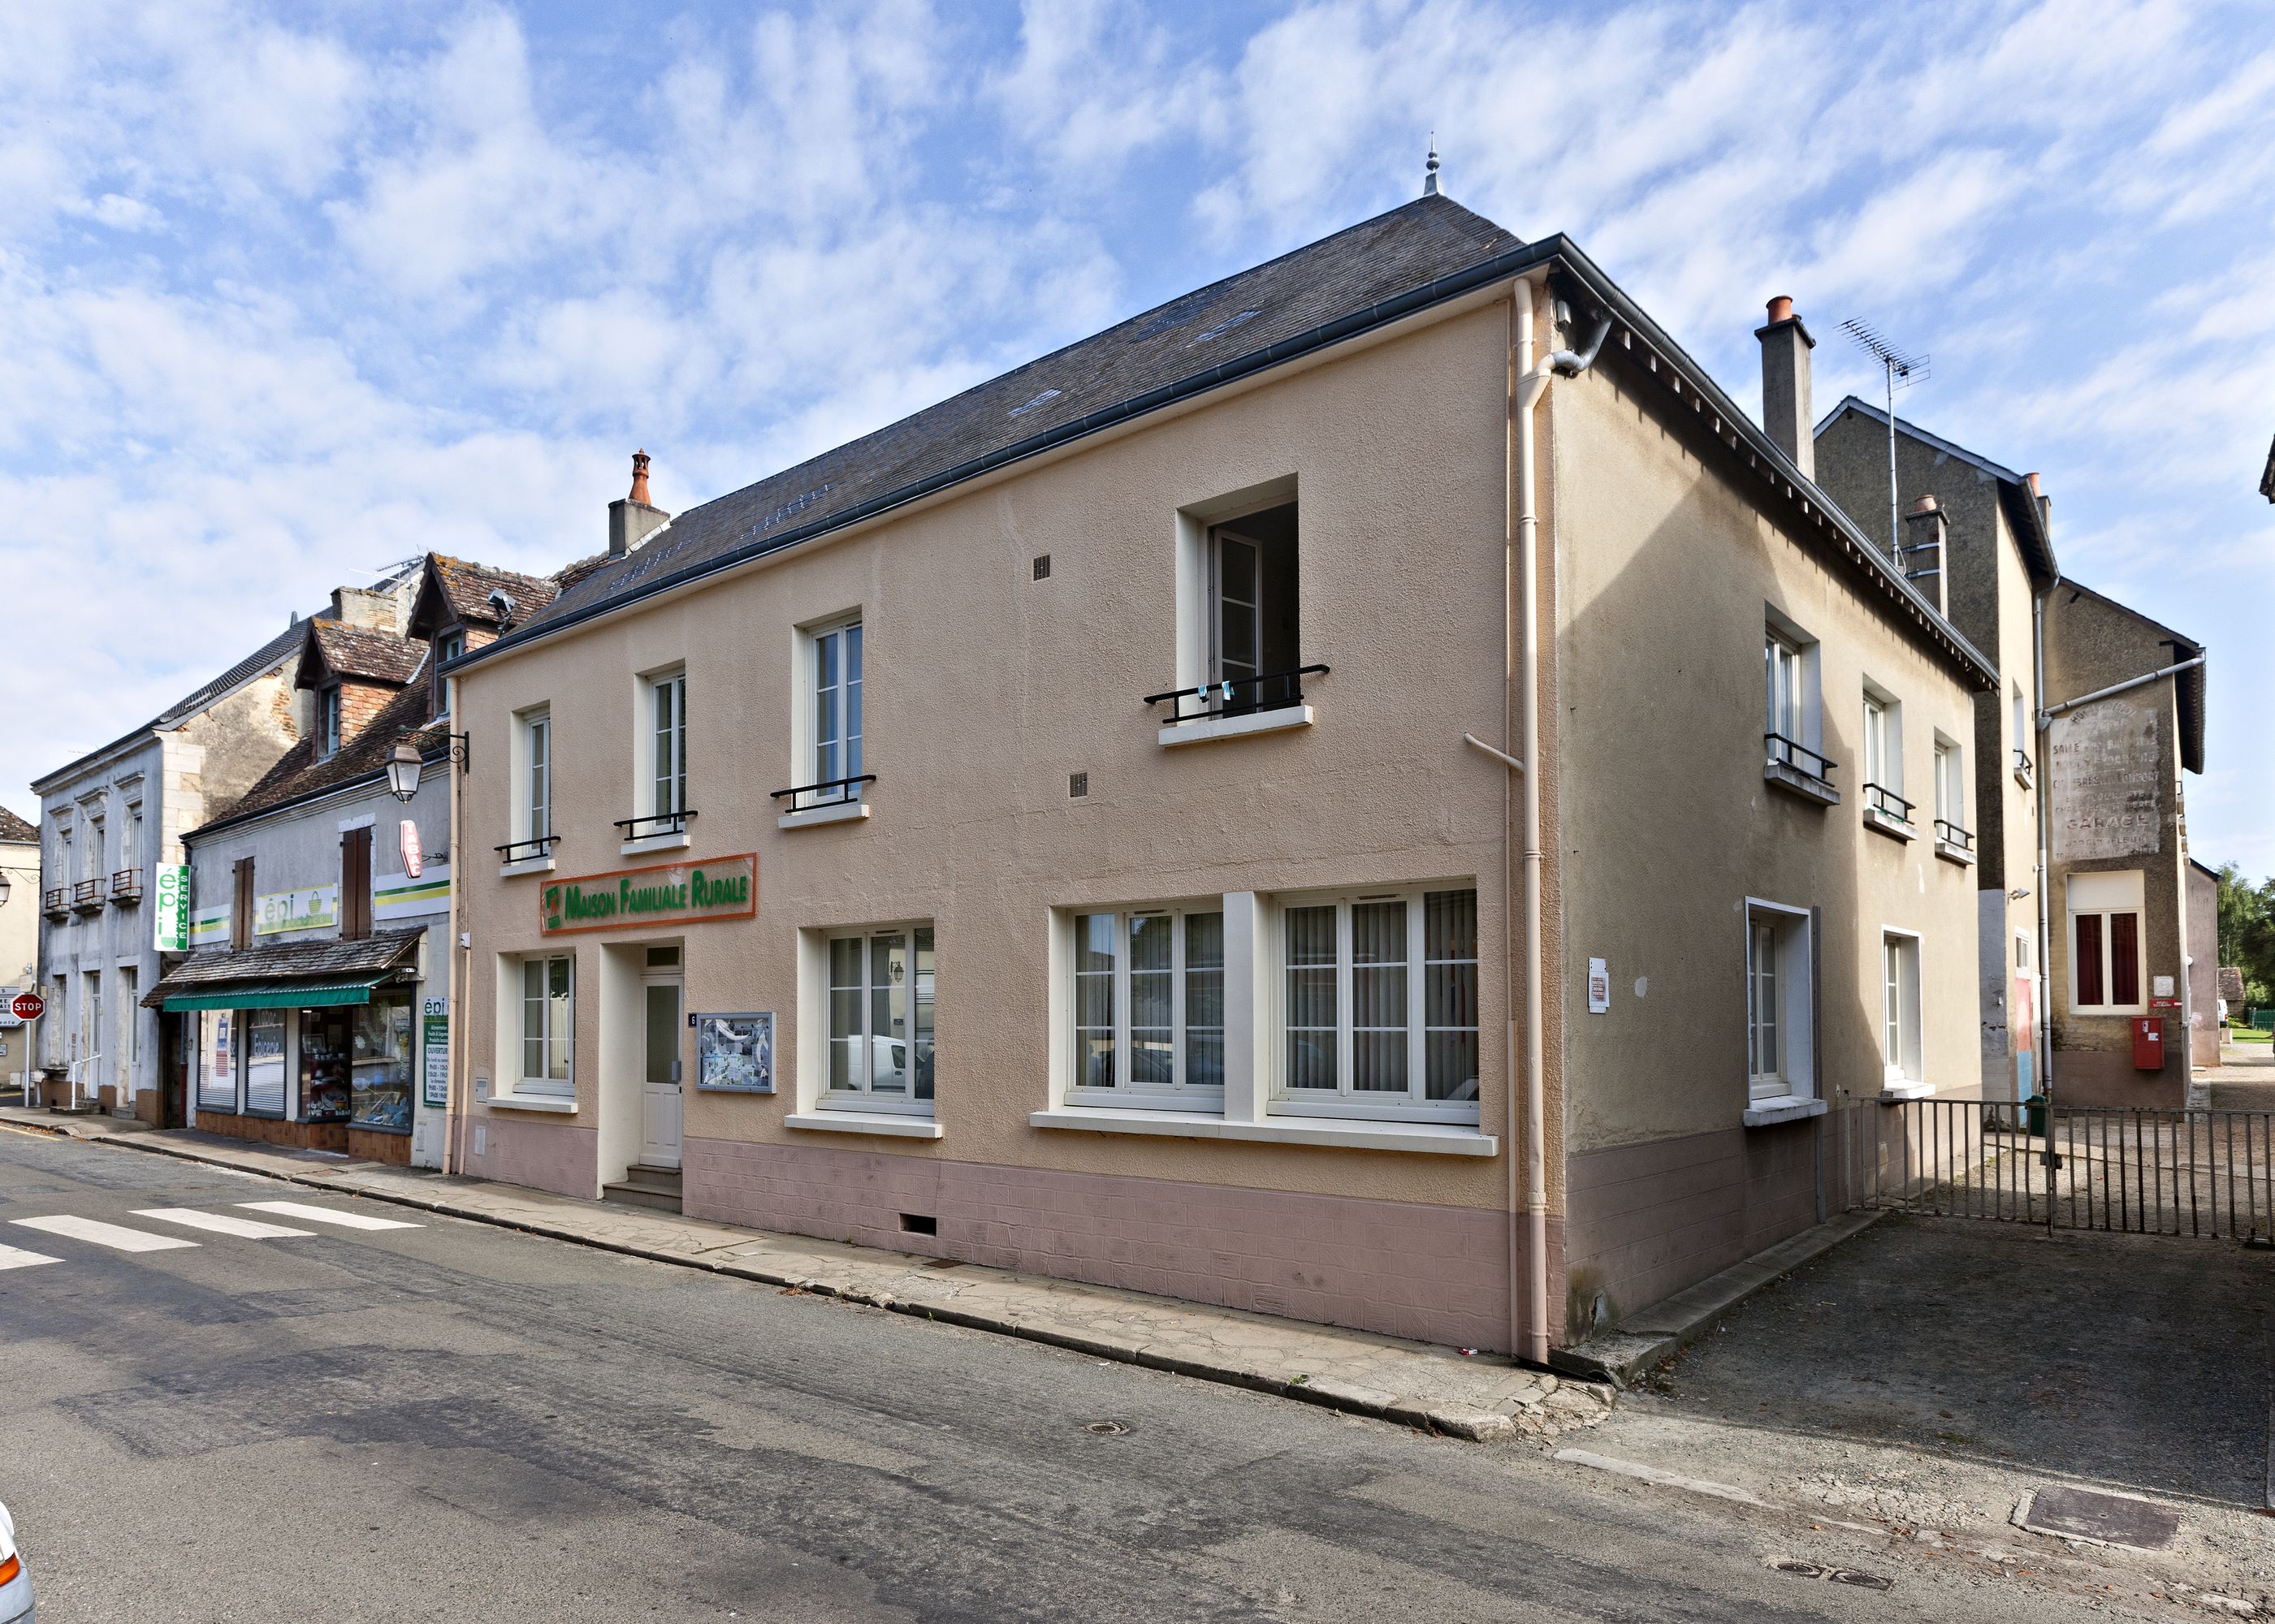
361, 652
15, 831
290, 961
1190, 337
456, 590
298, 773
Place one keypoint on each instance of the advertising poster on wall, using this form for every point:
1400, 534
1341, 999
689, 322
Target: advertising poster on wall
434, 1039
735, 1054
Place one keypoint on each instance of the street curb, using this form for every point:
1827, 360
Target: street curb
1640, 1343
1468, 1424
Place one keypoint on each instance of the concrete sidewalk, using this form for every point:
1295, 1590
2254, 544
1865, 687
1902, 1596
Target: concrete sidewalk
1435, 1388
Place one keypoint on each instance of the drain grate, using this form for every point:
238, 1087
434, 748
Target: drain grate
1108, 1428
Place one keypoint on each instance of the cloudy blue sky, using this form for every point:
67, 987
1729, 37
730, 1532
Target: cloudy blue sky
291, 293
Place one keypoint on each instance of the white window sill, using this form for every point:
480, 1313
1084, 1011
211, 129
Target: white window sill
1275, 720
1779, 775
891, 1124
527, 866
1791, 1108
1905, 1088
1951, 853
533, 1102
657, 842
1889, 824
836, 812
1434, 1138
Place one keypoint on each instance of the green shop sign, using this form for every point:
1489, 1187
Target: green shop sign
675, 893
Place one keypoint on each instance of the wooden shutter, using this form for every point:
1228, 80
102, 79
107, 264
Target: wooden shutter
240, 912
355, 884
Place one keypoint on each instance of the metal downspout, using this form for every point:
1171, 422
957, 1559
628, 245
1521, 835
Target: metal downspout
1533, 383
453, 1111
2044, 969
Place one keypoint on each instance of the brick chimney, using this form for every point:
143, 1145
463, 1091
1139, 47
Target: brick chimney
1785, 410
633, 519
2045, 503
1927, 539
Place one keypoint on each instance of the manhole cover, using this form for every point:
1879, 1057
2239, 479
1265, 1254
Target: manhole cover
2103, 1519
1107, 1429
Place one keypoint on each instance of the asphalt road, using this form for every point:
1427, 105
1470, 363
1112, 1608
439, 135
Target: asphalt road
452, 1421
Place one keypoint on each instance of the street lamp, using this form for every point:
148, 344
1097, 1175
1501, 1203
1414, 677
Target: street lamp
403, 770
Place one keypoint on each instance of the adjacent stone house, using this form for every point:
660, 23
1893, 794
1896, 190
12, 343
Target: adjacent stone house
106, 820
1371, 791
19, 941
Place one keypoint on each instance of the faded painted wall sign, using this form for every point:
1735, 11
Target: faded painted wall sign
2108, 790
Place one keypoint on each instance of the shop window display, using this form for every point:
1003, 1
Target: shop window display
381, 1064
324, 1064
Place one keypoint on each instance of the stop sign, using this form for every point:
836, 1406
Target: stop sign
28, 1006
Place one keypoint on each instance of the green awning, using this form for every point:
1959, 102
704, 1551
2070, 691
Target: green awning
282, 994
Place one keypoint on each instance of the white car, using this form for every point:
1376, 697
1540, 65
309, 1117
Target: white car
15, 1584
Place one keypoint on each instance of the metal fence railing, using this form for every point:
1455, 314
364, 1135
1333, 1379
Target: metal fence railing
2196, 1173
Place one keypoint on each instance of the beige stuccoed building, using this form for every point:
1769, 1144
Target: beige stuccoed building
1079, 828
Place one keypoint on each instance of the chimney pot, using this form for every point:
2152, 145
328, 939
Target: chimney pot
2031, 480
633, 519
1787, 413
1924, 506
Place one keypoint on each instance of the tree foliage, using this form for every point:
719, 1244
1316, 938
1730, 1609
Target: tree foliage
2247, 934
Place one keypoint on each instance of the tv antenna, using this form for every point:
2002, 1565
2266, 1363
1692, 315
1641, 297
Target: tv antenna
1899, 370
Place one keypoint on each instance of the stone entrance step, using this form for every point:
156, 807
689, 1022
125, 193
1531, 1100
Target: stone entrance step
646, 1186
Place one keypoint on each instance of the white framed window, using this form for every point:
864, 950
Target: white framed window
1780, 1010
328, 721
1255, 630
662, 754
1379, 1005
2022, 736
535, 821
1883, 753
833, 714
1792, 725
2108, 960
549, 1026
881, 991
1901, 1060
1149, 1007
1953, 837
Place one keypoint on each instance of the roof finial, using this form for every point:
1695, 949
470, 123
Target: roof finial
640, 479
1430, 169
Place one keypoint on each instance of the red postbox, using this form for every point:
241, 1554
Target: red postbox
2148, 1042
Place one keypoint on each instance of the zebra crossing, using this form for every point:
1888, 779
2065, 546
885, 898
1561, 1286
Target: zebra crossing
126, 1238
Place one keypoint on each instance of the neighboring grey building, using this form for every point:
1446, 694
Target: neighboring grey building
105, 819
1978, 539
313, 1004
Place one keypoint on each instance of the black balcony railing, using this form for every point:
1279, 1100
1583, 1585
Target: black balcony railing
527, 850
1238, 696
2022, 765
1949, 833
828, 792
1791, 752
654, 824
1880, 798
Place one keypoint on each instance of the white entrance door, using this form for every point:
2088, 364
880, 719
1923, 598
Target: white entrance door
660, 1109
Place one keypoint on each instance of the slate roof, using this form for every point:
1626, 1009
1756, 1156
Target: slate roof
289, 961
15, 831
266, 658
361, 652
298, 775
1354, 268
456, 590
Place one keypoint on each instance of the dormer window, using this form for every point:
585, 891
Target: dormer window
448, 647
328, 721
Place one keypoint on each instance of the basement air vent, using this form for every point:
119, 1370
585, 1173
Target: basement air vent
1078, 784
919, 1223
1043, 566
